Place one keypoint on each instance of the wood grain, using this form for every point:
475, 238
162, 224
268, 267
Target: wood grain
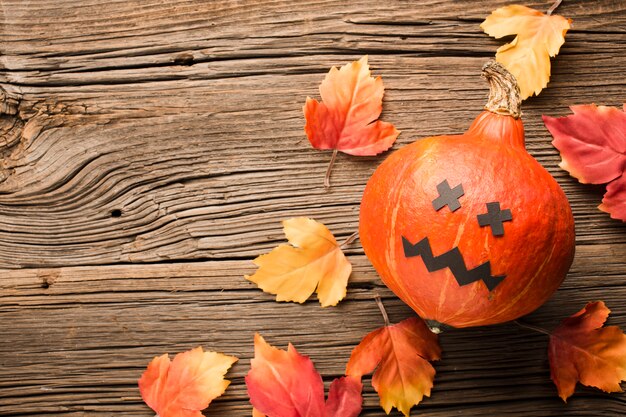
92, 329
150, 149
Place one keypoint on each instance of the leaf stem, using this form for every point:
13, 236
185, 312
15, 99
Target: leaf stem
349, 240
381, 307
554, 6
330, 168
530, 327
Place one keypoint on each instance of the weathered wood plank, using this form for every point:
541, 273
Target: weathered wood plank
184, 117
207, 174
92, 329
594, 265
78, 35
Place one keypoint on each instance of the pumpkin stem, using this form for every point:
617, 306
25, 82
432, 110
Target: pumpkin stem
379, 302
504, 95
330, 168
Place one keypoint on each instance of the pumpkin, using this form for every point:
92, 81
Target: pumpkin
469, 229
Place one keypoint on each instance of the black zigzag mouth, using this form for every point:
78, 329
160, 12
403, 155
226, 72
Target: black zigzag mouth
453, 260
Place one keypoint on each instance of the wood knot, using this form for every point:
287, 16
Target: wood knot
184, 59
11, 126
9, 102
48, 278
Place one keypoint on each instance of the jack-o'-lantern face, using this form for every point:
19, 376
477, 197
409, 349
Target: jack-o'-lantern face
465, 232
453, 259
469, 229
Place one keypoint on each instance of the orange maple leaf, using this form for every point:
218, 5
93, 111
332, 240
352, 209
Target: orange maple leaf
582, 350
315, 262
187, 385
285, 384
538, 37
346, 119
401, 354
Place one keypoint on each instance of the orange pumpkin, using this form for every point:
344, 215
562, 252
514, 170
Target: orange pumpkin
469, 229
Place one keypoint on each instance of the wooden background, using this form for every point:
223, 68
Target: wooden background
150, 149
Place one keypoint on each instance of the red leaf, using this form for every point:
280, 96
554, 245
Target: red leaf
346, 118
257, 413
614, 200
344, 397
592, 143
582, 350
285, 384
402, 353
185, 386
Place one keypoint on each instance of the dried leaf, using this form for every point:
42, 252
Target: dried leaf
257, 413
401, 354
538, 37
582, 350
315, 262
614, 200
344, 397
346, 118
285, 384
592, 143
187, 385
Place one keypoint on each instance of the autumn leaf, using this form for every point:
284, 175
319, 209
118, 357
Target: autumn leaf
346, 119
313, 262
187, 385
527, 56
344, 397
257, 413
400, 353
592, 143
614, 200
582, 350
285, 384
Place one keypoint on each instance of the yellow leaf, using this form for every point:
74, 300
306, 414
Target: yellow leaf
527, 57
314, 261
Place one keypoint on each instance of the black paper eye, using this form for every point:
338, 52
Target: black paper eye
495, 218
448, 196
